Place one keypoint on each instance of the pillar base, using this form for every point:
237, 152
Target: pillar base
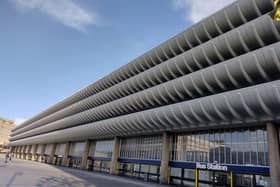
274, 153
164, 168
114, 162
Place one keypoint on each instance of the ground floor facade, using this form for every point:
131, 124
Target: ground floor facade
25, 173
241, 157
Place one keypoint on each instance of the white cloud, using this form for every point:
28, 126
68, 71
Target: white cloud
19, 121
196, 10
66, 12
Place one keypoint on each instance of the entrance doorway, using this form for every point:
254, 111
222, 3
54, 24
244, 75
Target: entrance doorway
247, 180
57, 160
214, 178
221, 179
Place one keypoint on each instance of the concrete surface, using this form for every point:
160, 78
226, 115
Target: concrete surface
22, 173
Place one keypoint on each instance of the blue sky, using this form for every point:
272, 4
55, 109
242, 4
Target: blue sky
51, 48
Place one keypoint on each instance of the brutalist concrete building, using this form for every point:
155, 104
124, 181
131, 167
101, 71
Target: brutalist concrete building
201, 109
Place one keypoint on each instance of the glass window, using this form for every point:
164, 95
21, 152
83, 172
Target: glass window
246, 146
33, 148
104, 148
240, 151
91, 149
154, 169
193, 146
77, 149
254, 147
205, 175
60, 149
197, 148
265, 148
227, 138
207, 147
234, 147
48, 149
222, 148
188, 140
217, 147
176, 174
189, 174
39, 149
143, 147
27, 149
212, 147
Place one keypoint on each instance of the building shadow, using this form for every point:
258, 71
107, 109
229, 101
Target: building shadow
13, 178
83, 178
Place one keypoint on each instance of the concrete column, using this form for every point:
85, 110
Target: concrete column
66, 154
42, 153
164, 167
20, 152
274, 153
50, 161
29, 156
92, 147
11, 150
92, 151
33, 157
115, 155
15, 151
85, 155
24, 152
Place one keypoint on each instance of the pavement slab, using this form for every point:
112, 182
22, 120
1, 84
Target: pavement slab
23, 173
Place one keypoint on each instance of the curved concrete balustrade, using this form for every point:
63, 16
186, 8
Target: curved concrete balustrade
221, 22
253, 35
259, 103
259, 66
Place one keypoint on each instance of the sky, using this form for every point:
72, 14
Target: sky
49, 49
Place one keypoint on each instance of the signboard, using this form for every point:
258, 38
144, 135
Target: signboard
211, 166
258, 170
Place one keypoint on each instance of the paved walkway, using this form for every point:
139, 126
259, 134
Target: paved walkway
22, 173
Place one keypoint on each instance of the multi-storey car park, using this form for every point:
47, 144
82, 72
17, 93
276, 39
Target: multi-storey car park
201, 109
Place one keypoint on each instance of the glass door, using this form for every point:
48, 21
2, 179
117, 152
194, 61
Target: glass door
214, 179
221, 179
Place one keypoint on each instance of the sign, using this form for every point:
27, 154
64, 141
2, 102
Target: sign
258, 170
211, 166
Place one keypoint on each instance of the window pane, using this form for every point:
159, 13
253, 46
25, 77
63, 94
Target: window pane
237, 146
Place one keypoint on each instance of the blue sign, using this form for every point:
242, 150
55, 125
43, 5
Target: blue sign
211, 166
259, 170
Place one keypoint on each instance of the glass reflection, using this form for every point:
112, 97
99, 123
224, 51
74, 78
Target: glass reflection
243, 146
77, 149
103, 148
48, 149
59, 149
143, 147
39, 149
